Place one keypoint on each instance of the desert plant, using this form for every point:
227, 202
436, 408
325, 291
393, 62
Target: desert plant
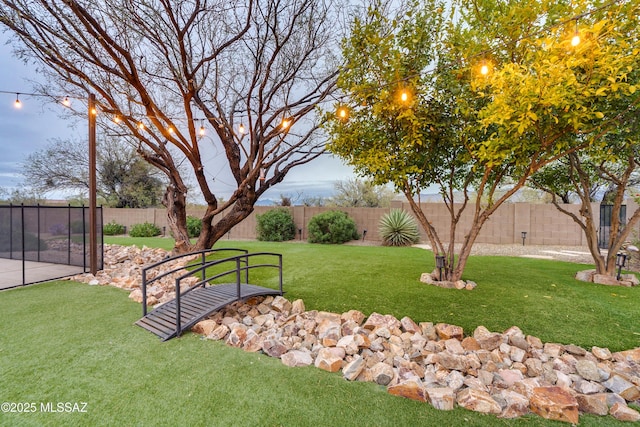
144, 230
194, 226
332, 227
58, 229
275, 225
398, 228
79, 226
11, 240
112, 229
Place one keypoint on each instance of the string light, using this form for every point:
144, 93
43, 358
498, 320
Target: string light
140, 125
201, 132
66, 101
485, 69
575, 40
241, 129
343, 113
17, 102
286, 123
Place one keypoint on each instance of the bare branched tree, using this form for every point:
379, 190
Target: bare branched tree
252, 71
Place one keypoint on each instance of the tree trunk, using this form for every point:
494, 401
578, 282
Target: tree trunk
175, 201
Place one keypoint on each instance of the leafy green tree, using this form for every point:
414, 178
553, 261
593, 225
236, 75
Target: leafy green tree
479, 99
357, 193
123, 178
24, 195
615, 170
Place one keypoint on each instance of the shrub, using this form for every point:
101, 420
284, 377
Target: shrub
398, 228
11, 239
112, 228
79, 227
194, 226
144, 230
58, 229
332, 227
275, 225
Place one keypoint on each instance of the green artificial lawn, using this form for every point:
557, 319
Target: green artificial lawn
69, 342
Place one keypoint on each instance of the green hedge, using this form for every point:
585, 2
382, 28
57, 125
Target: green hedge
332, 227
144, 230
112, 229
275, 225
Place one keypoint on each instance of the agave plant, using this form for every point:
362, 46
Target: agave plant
398, 228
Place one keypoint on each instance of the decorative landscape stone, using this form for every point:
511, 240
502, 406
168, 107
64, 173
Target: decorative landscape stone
507, 374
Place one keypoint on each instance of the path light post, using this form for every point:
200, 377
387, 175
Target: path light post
621, 258
440, 265
524, 236
364, 233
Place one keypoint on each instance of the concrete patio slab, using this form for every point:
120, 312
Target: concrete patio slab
11, 272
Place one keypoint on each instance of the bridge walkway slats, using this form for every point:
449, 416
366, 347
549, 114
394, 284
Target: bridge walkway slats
197, 305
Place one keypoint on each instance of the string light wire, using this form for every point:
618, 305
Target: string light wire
343, 113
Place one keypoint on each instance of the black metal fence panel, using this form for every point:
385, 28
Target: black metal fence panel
48, 234
606, 213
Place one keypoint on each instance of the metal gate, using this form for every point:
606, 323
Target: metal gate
606, 212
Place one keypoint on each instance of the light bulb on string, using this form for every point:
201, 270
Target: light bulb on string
17, 103
140, 125
202, 131
66, 101
343, 113
241, 129
575, 40
117, 119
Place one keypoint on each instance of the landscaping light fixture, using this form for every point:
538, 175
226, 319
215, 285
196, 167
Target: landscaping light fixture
439, 265
364, 233
300, 233
524, 236
621, 259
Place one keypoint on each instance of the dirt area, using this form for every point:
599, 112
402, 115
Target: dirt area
577, 254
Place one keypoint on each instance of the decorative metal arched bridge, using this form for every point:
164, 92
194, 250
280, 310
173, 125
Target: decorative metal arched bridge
194, 303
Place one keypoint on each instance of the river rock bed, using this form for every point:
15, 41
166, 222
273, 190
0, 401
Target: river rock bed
507, 373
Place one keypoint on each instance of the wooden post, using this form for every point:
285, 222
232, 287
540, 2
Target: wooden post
93, 240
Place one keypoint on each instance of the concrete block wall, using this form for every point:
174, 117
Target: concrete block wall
543, 223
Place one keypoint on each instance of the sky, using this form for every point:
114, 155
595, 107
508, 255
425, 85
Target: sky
30, 128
